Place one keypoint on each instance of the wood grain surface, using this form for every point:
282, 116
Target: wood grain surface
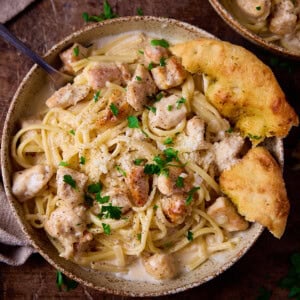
46, 22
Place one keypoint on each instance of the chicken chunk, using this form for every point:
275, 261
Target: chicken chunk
138, 183
120, 198
71, 55
141, 86
227, 150
100, 73
70, 186
122, 109
154, 54
68, 95
169, 113
284, 18
29, 182
175, 208
68, 226
170, 75
170, 184
195, 129
225, 214
160, 266
252, 10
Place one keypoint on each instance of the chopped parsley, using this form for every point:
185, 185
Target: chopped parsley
70, 181
150, 66
88, 200
190, 235
139, 161
97, 95
76, 51
95, 188
170, 107
179, 102
159, 97
155, 207
163, 43
133, 122
106, 228
162, 62
63, 164
138, 78
152, 169
171, 154
72, 131
258, 7
141, 51
139, 11
109, 211
191, 194
82, 160
107, 14
101, 199
139, 236
121, 171
65, 283
254, 137
114, 109
229, 130
179, 182
151, 108
168, 141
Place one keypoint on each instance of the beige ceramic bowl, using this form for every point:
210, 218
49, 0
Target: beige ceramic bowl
248, 34
23, 105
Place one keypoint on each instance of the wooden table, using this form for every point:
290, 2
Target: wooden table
46, 22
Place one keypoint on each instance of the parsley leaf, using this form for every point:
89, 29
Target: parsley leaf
141, 51
139, 236
162, 62
70, 181
95, 188
139, 161
170, 107
155, 207
97, 95
258, 7
151, 169
121, 171
171, 154
138, 78
168, 141
139, 11
179, 182
101, 199
114, 109
63, 164
254, 137
180, 102
163, 43
191, 194
64, 281
151, 108
109, 211
76, 51
150, 66
106, 228
229, 130
72, 131
159, 96
133, 122
190, 235
82, 160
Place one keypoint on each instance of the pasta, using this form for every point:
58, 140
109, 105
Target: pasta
135, 189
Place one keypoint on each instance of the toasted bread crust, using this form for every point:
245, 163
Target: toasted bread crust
256, 187
241, 87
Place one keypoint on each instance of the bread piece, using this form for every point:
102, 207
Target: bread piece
256, 187
240, 86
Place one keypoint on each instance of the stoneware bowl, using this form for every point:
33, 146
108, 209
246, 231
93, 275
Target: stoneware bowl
248, 34
23, 105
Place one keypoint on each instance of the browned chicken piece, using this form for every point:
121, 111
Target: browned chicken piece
284, 18
122, 109
71, 55
29, 182
100, 73
70, 186
68, 95
140, 87
170, 184
226, 151
195, 129
160, 266
68, 226
138, 183
223, 212
154, 54
169, 113
120, 198
175, 208
170, 75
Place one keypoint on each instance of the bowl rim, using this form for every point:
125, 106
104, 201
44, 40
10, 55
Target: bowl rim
5, 142
248, 34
